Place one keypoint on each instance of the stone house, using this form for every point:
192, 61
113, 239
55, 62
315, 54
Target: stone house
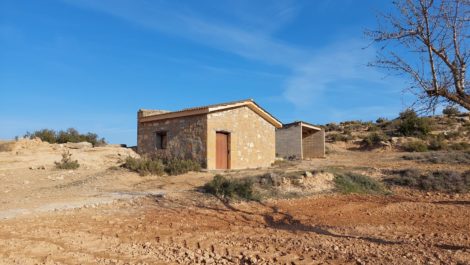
300, 140
231, 135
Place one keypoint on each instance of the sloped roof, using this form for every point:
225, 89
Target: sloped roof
250, 103
303, 124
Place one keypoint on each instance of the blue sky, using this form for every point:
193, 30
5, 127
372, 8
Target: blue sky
91, 64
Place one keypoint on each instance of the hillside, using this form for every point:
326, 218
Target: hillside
367, 202
406, 133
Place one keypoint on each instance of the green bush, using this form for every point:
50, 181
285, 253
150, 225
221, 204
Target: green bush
144, 166
443, 181
451, 111
355, 183
410, 124
70, 135
181, 166
67, 162
45, 135
231, 188
373, 140
416, 146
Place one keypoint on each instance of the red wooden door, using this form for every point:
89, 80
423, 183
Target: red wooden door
221, 154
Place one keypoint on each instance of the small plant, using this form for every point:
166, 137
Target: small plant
144, 166
67, 162
415, 146
355, 183
181, 166
450, 111
231, 188
373, 140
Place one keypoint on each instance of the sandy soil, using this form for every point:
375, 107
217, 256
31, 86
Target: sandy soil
97, 215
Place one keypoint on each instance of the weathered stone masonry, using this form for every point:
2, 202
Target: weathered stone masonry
186, 137
191, 134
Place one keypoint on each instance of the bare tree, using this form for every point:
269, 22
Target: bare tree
427, 40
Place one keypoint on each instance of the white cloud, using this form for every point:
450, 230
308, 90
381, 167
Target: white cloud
248, 32
343, 64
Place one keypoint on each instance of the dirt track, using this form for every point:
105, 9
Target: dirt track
95, 215
334, 229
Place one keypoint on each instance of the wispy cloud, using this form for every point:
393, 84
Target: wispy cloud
249, 33
342, 65
247, 38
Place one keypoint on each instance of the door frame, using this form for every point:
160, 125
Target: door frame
229, 152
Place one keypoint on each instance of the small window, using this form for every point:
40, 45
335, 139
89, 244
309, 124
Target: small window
161, 140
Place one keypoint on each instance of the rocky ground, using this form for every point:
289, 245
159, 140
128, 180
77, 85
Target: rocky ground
100, 214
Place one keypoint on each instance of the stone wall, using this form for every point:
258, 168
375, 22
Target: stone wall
288, 142
252, 138
186, 137
314, 145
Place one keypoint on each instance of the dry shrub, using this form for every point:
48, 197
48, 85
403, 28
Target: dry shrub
415, 146
67, 162
453, 157
144, 166
229, 189
156, 166
349, 182
440, 180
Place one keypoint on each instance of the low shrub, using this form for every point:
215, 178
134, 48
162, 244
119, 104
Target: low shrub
381, 120
373, 128
441, 157
355, 183
231, 188
332, 127
373, 140
67, 162
415, 146
437, 143
443, 181
462, 146
158, 166
144, 166
70, 135
451, 135
409, 124
450, 111
181, 166
335, 137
